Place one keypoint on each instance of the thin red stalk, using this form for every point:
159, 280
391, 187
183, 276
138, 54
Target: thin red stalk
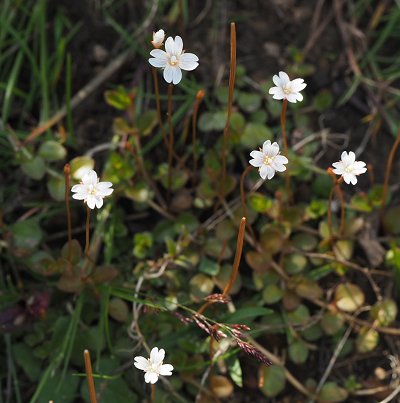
232, 76
89, 376
87, 231
238, 255
388, 171
242, 191
199, 97
153, 392
158, 105
67, 172
283, 127
171, 139
335, 187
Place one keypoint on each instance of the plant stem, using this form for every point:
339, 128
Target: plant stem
232, 76
87, 231
283, 126
67, 172
158, 105
335, 187
171, 140
199, 97
242, 191
285, 146
388, 171
238, 255
89, 376
153, 392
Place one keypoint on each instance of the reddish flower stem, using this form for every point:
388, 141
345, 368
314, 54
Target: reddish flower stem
67, 172
171, 140
87, 231
89, 376
232, 76
158, 105
199, 98
242, 191
335, 187
388, 171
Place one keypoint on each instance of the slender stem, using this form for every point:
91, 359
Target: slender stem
283, 127
238, 255
87, 231
158, 105
171, 140
235, 267
285, 146
67, 172
242, 191
388, 171
232, 76
153, 392
329, 212
335, 187
340, 195
199, 97
89, 376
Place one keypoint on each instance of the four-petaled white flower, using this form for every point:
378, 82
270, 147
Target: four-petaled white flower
349, 168
153, 366
91, 191
173, 59
158, 38
286, 89
268, 160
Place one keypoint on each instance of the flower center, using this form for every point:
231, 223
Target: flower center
173, 61
286, 90
268, 160
348, 169
91, 189
153, 367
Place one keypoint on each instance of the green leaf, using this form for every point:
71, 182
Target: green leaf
34, 168
298, 351
249, 101
118, 309
210, 267
274, 380
27, 234
143, 242
146, 122
384, 312
52, 151
272, 293
25, 359
255, 134
331, 392
323, 100
56, 187
118, 98
367, 339
235, 371
212, 121
80, 165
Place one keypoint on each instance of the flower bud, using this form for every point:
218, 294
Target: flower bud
158, 38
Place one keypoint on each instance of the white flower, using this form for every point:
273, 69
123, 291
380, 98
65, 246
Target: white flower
268, 160
158, 38
349, 168
153, 366
91, 191
286, 89
173, 59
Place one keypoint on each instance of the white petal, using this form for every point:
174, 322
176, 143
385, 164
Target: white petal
99, 201
345, 158
150, 377
263, 171
266, 146
157, 355
299, 97
168, 74
256, 163
91, 201
79, 196
141, 363
258, 156
353, 180
271, 172
277, 81
178, 45
270, 150
79, 188
284, 78
278, 94
291, 98
103, 185
281, 159
90, 178
188, 61
158, 62
169, 45
104, 192
352, 157
177, 75
278, 167
274, 90
166, 369
338, 171
298, 85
